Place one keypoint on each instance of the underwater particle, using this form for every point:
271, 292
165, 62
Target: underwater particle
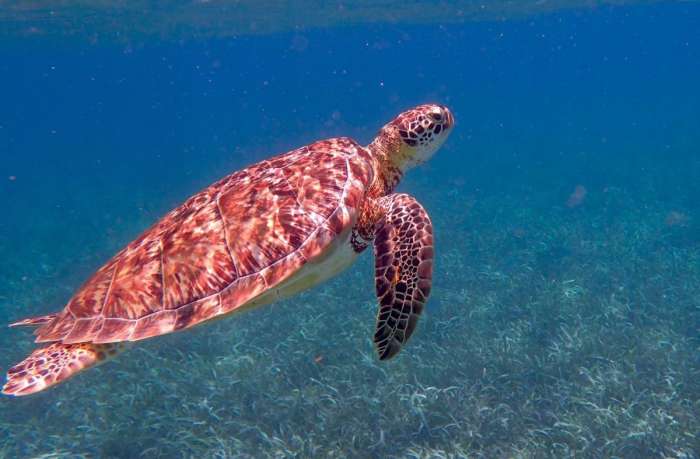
518, 232
12, 178
577, 197
318, 359
676, 219
334, 118
299, 43
259, 235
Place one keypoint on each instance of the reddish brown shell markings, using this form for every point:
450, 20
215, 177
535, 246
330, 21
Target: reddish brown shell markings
223, 247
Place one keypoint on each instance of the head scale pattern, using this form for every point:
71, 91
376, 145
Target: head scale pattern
408, 140
420, 126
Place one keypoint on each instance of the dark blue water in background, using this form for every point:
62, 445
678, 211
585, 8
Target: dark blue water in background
98, 141
545, 102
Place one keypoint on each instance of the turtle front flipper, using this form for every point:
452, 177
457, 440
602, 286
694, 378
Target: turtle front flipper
403, 251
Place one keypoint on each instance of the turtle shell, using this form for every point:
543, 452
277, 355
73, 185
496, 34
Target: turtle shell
222, 248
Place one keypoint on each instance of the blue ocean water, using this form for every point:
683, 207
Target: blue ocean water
563, 323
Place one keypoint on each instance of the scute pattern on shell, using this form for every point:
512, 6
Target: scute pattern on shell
223, 247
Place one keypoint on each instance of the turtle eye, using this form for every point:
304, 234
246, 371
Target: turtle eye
436, 116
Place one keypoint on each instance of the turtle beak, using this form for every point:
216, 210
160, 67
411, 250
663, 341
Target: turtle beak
449, 120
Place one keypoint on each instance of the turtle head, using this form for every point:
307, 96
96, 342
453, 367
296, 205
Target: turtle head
412, 138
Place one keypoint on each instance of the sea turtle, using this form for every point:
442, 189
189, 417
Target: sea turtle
258, 235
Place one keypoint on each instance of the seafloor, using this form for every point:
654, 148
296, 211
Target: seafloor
553, 331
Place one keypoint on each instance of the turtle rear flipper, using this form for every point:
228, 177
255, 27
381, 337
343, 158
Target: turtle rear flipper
403, 251
53, 364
